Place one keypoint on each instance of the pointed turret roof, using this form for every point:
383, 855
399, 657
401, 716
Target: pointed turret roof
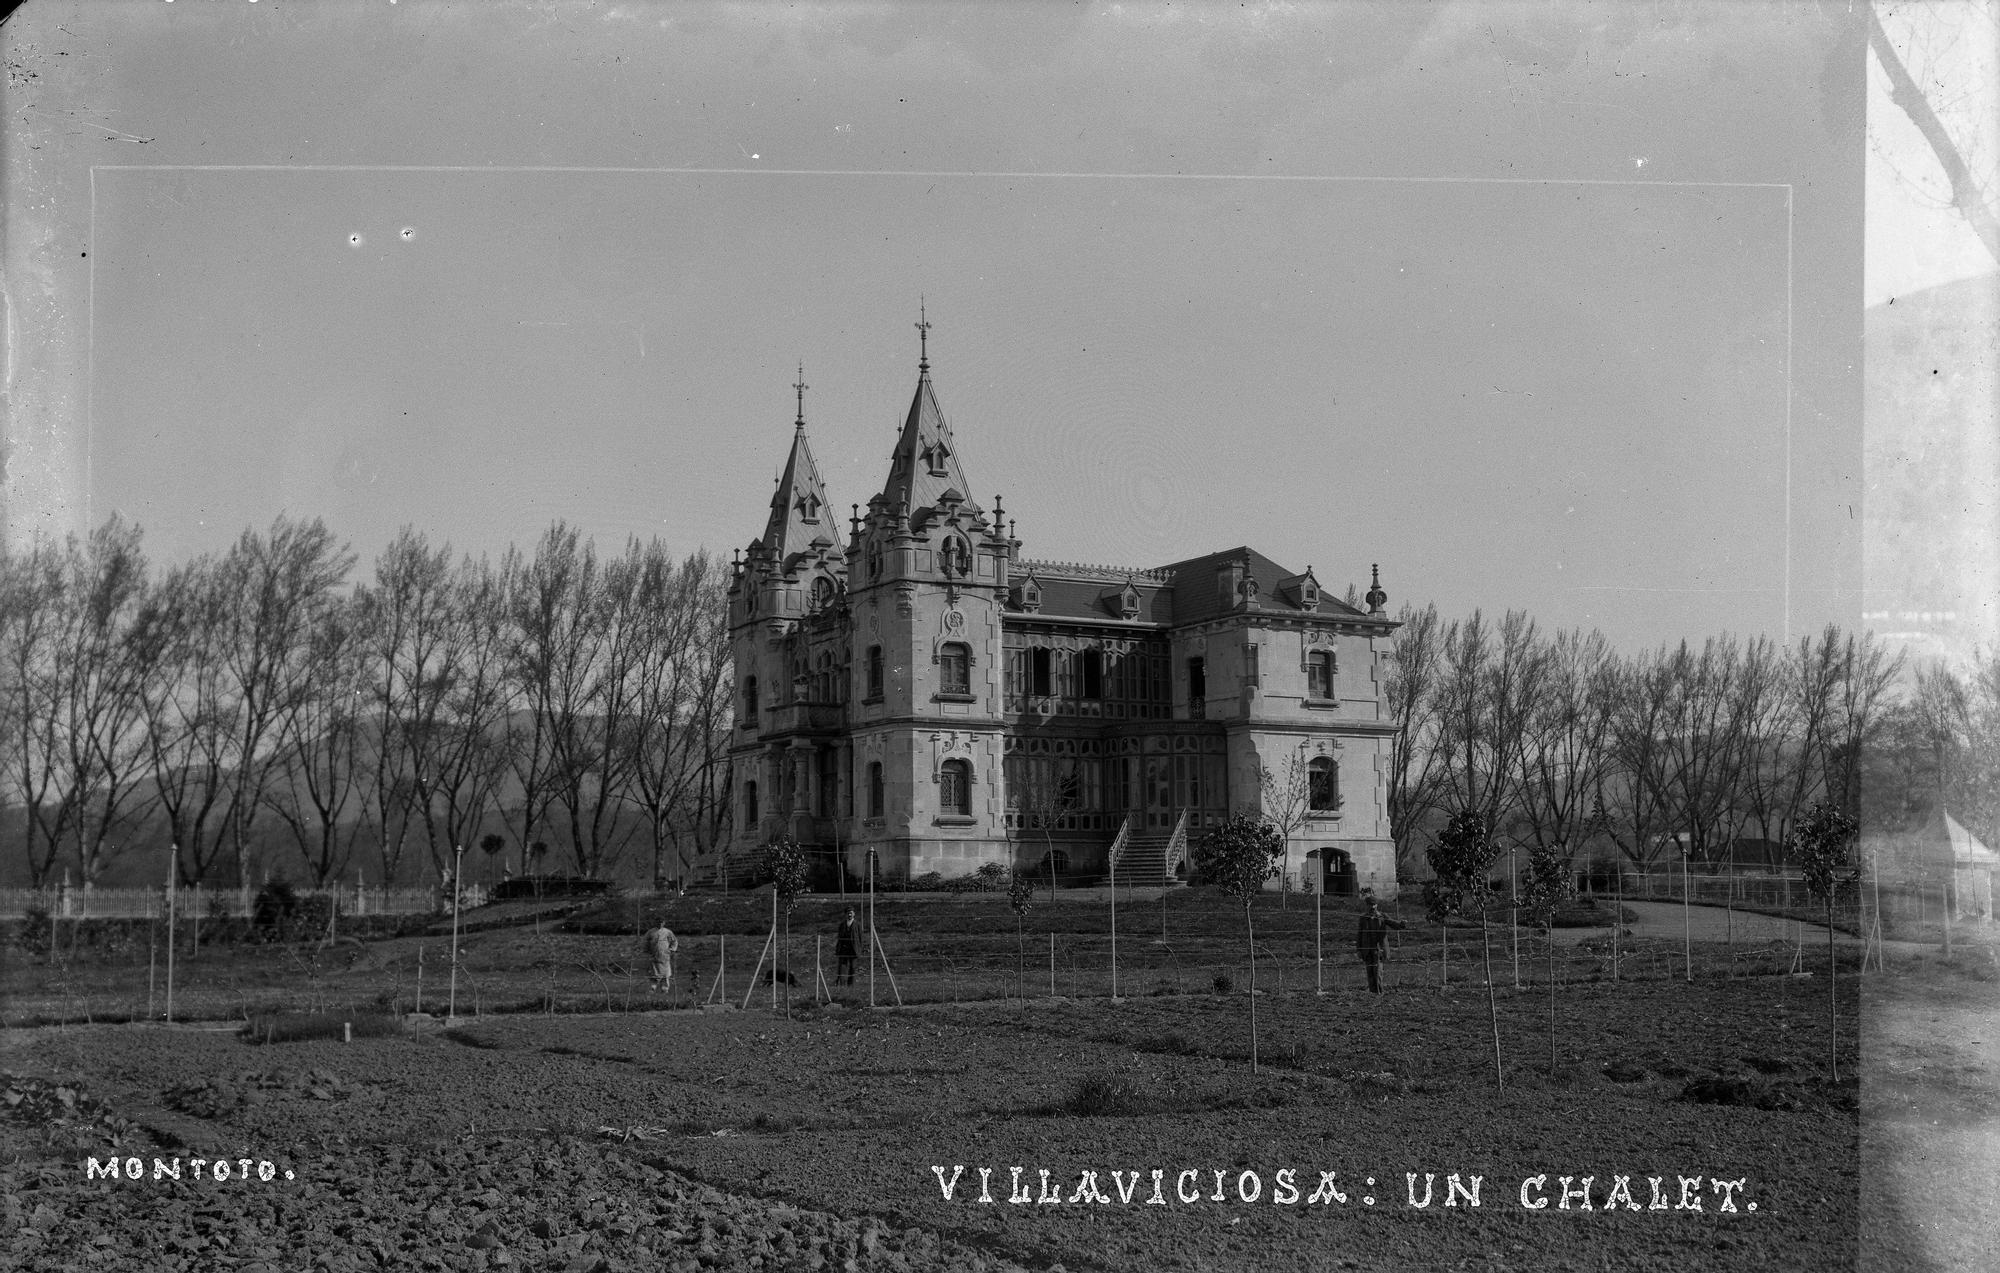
924, 467
800, 519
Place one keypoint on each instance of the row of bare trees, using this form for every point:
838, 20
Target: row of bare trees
1553, 738
262, 696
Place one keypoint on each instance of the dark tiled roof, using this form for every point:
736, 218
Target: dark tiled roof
1184, 592
1197, 598
787, 532
1098, 599
911, 480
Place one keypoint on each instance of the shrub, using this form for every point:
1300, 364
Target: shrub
1223, 985
534, 887
1102, 1095
33, 933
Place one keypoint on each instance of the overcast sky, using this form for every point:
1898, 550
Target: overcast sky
1541, 306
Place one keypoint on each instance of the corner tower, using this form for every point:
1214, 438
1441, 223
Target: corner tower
787, 609
927, 593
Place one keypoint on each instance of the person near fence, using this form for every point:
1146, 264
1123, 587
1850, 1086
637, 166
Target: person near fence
846, 949
660, 947
1373, 939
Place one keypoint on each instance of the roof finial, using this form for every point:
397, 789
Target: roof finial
800, 385
923, 336
1376, 597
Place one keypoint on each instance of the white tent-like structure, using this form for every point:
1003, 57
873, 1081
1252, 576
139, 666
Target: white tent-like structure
1941, 851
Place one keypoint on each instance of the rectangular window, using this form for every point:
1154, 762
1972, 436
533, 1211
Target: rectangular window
829, 782
1197, 687
1319, 675
875, 789
1250, 676
1090, 679
1040, 674
955, 669
874, 672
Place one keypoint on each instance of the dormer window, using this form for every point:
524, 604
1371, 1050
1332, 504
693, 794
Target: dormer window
823, 593
1128, 603
808, 508
935, 456
1031, 596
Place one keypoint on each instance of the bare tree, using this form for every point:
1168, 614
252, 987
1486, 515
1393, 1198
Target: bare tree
1566, 750
274, 583
99, 684
1633, 798
680, 716
1967, 197
1867, 674
323, 759
1285, 799
464, 753
408, 620
190, 710
1487, 687
1411, 704
596, 685
34, 592
1701, 743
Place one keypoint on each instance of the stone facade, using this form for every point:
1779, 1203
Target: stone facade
918, 689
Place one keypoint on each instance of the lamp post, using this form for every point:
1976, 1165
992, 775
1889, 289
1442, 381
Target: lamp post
457, 890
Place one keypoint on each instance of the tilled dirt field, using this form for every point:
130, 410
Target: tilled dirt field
733, 1139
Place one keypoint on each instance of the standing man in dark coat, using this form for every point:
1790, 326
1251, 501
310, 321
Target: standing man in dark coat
1373, 940
846, 949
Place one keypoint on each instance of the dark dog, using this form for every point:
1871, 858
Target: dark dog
777, 975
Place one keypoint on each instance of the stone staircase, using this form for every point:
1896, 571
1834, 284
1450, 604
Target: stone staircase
1148, 861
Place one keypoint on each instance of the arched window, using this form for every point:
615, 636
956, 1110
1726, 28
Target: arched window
750, 807
955, 556
750, 700
1319, 674
875, 789
1323, 785
874, 560
955, 788
955, 668
823, 593
874, 672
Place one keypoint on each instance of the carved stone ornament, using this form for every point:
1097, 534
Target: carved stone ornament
946, 744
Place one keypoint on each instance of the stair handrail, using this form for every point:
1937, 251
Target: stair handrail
1177, 848
1117, 850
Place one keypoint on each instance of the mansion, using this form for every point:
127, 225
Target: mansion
918, 689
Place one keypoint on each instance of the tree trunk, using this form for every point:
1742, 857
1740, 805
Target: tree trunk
1492, 1008
1552, 1000
1249, 932
1832, 1003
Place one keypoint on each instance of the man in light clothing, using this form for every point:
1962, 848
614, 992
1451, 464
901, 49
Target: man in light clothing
660, 947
